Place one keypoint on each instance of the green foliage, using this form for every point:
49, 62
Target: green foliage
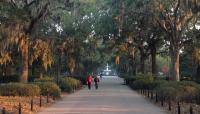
162, 61
142, 77
49, 88
140, 84
129, 79
147, 77
189, 88
157, 83
19, 89
171, 90
185, 90
146, 84
168, 90
141, 81
41, 50
187, 64
68, 84
99, 23
44, 79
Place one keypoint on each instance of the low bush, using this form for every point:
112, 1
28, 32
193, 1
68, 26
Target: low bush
129, 79
49, 88
190, 90
146, 78
19, 89
187, 91
44, 79
68, 84
169, 90
156, 83
184, 90
138, 84
80, 78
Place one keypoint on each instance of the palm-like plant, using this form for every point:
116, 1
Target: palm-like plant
13, 34
41, 50
20, 18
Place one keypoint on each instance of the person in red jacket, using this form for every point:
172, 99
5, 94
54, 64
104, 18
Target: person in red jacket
89, 81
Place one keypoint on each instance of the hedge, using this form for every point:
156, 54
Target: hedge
19, 89
49, 88
143, 77
185, 90
80, 78
44, 79
68, 84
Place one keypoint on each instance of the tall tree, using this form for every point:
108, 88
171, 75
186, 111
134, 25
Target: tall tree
25, 14
173, 18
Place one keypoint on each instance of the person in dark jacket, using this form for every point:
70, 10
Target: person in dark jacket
96, 81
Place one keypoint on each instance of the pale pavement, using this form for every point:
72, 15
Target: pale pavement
112, 97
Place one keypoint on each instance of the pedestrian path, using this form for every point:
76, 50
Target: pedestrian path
112, 97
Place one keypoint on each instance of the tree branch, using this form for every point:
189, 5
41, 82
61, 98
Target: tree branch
14, 5
42, 12
176, 9
186, 42
29, 4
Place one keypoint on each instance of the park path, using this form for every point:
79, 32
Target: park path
112, 97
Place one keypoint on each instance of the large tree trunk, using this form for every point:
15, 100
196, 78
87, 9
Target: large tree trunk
142, 61
24, 70
132, 53
33, 67
134, 67
175, 55
59, 67
153, 57
198, 73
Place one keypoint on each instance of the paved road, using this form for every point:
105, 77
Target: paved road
111, 98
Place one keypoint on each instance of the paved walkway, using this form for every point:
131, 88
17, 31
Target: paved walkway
111, 98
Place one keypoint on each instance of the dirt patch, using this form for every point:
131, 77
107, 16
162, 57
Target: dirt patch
11, 104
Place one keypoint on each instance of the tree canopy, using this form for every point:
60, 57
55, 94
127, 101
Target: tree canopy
78, 36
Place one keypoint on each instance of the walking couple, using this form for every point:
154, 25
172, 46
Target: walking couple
90, 80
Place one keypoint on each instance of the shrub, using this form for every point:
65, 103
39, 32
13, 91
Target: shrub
19, 89
168, 92
141, 81
130, 79
138, 84
184, 90
49, 88
157, 83
171, 90
80, 78
189, 89
68, 84
148, 77
44, 79
141, 85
